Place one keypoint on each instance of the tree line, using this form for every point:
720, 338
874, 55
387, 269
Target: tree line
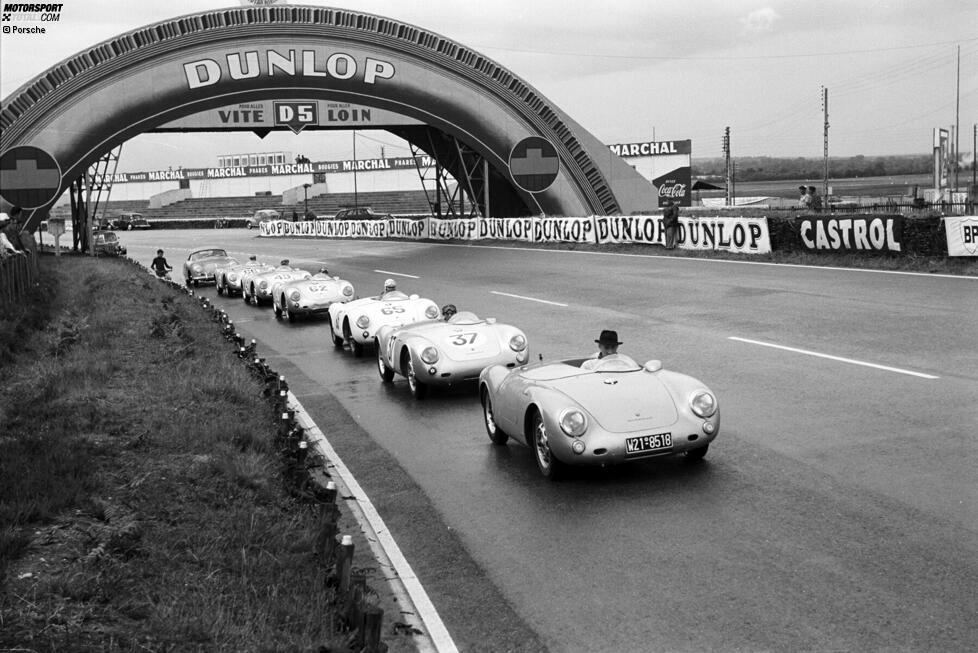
767, 168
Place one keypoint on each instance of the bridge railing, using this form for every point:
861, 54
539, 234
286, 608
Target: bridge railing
18, 273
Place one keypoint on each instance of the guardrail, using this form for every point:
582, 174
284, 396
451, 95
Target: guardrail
18, 273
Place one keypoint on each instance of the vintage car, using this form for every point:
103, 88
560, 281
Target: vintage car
256, 286
129, 221
361, 213
262, 215
357, 322
445, 352
616, 412
106, 243
200, 265
312, 296
228, 278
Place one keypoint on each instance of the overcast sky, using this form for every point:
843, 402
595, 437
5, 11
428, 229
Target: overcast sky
636, 70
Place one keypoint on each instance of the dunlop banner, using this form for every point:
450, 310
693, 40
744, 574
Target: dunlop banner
742, 235
506, 229
857, 233
464, 229
563, 230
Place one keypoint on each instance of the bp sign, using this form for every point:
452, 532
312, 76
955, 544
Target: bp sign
534, 164
29, 177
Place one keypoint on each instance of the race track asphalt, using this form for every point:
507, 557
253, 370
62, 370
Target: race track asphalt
837, 509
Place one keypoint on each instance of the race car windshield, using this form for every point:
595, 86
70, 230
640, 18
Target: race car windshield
204, 253
465, 317
617, 363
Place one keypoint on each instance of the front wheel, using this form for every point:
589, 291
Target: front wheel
418, 389
495, 433
551, 468
277, 310
220, 289
337, 340
386, 373
289, 315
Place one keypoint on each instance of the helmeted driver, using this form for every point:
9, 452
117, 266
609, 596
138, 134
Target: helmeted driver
447, 311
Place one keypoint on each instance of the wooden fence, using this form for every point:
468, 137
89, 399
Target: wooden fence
18, 273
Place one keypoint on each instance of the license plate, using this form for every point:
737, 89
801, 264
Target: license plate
648, 444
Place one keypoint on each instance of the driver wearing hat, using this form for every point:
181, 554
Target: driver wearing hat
607, 346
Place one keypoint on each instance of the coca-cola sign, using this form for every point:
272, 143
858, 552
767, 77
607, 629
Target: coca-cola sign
675, 185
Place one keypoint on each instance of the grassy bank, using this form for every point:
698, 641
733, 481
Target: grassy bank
141, 500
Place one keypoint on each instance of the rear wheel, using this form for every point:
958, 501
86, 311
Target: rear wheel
386, 373
418, 388
694, 455
547, 463
495, 433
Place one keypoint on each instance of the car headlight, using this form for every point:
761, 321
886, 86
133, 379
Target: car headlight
517, 342
348, 291
295, 295
262, 285
196, 267
232, 277
363, 321
573, 422
703, 403
432, 312
429, 355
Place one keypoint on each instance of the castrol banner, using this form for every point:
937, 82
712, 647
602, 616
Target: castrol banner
853, 233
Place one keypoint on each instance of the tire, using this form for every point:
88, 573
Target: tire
495, 433
187, 281
220, 289
418, 389
196, 284
277, 310
289, 315
697, 454
386, 373
337, 340
250, 226
355, 346
550, 468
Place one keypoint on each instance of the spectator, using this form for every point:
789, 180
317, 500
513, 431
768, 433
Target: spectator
12, 229
815, 201
159, 265
804, 199
670, 221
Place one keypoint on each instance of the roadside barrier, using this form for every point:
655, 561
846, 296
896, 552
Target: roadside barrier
306, 479
18, 273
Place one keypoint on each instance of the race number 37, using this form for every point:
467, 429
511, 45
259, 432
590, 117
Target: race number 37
296, 115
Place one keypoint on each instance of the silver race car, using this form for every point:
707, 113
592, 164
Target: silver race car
614, 412
199, 266
451, 350
228, 277
312, 296
256, 287
357, 322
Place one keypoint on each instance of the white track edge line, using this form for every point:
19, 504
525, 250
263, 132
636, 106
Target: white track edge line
835, 358
398, 274
529, 299
405, 584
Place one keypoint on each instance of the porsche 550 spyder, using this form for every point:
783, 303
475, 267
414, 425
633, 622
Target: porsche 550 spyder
357, 322
443, 352
228, 278
616, 411
199, 266
312, 296
256, 287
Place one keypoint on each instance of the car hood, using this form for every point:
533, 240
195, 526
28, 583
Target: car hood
461, 342
621, 402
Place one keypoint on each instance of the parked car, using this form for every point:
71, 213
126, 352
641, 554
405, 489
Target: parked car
106, 243
615, 412
361, 213
200, 265
130, 221
444, 352
262, 215
312, 296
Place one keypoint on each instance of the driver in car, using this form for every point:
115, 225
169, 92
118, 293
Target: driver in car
607, 346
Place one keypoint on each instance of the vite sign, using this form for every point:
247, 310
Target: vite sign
272, 63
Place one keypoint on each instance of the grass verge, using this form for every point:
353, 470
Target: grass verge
142, 504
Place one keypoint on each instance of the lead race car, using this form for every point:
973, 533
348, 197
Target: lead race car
200, 265
256, 287
228, 278
357, 322
312, 296
447, 351
615, 412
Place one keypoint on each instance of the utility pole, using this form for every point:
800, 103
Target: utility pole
356, 201
957, 123
825, 138
726, 159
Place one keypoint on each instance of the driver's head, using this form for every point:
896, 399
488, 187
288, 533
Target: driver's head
389, 285
323, 270
284, 262
159, 252
448, 310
